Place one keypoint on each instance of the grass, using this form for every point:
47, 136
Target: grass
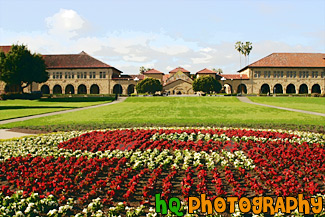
177, 111
20, 108
315, 104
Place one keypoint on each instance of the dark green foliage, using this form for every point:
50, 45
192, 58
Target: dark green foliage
98, 126
30, 96
206, 84
149, 85
20, 67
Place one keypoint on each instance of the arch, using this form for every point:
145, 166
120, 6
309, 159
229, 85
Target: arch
12, 88
94, 89
45, 89
265, 89
303, 89
291, 89
117, 89
82, 89
228, 88
131, 88
315, 89
57, 89
278, 88
69, 89
242, 88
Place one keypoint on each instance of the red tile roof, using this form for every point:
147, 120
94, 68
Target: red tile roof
178, 69
5, 49
153, 71
290, 60
68, 61
206, 71
165, 77
234, 76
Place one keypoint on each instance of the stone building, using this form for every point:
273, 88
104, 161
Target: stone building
277, 73
290, 73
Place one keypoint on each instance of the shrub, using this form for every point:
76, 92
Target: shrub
149, 85
206, 84
30, 96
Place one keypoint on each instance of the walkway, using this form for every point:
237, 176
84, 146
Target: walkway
7, 134
246, 100
120, 99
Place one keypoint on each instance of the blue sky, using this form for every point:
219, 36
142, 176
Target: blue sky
195, 34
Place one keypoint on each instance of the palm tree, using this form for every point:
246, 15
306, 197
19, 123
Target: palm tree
239, 48
246, 50
219, 71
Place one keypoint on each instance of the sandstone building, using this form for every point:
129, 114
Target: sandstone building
277, 73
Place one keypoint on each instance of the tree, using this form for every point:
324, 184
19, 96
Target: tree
239, 48
247, 47
143, 69
149, 85
20, 67
219, 71
244, 49
206, 84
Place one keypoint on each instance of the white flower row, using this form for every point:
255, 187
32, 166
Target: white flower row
303, 137
19, 206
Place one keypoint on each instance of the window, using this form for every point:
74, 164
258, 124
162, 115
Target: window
314, 74
92, 74
278, 74
257, 74
57, 75
53, 75
323, 74
78, 74
267, 74
85, 74
102, 74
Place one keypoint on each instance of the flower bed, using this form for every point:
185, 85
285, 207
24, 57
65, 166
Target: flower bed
91, 173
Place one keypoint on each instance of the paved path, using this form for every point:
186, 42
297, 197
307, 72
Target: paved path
246, 100
7, 134
120, 99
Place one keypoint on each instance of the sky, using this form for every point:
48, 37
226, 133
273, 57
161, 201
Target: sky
165, 34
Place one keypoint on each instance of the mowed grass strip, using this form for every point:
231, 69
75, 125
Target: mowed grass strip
21, 108
183, 111
314, 104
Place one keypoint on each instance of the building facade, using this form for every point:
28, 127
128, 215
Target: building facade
287, 73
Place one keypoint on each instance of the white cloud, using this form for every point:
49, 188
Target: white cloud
134, 58
128, 50
205, 59
65, 23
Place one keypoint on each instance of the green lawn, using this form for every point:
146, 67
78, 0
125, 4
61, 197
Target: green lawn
19, 108
183, 111
315, 104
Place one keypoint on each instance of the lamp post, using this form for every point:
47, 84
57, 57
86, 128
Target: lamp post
223, 83
232, 85
118, 87
241, 86
136, 79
